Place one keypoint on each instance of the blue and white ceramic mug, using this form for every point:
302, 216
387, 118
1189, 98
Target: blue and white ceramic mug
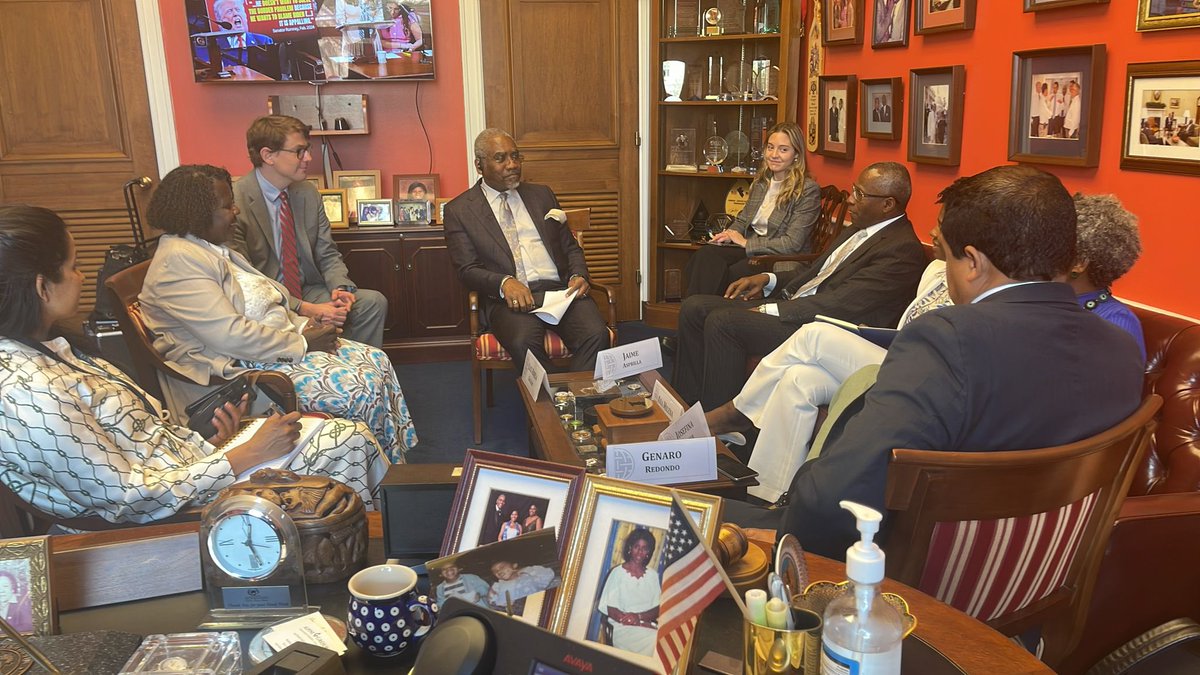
387, 615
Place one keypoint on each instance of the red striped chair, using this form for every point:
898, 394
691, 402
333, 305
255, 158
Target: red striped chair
487, 354
1014, 538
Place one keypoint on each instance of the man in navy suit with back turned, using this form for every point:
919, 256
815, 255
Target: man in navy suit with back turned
868, 276
508, 245
1015, 363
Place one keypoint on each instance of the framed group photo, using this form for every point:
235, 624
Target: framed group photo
943, 16
494, 487
1056, 104
621, 526
881, 108
413, 212
334, 203
935, 114
890, 27
839, 104
842, 22
1162, 109
25, 599
1167, 15
375, 212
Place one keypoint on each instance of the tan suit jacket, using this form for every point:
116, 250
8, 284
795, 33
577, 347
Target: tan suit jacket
194, 305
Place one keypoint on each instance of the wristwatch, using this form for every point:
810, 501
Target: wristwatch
348, 289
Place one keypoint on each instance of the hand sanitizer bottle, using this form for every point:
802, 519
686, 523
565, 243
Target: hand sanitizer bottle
862, 631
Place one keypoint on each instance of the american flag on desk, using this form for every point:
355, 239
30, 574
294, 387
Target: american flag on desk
690, 582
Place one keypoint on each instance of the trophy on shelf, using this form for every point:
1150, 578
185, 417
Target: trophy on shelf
694, 91
673, 73
739, 82
681, 154
716, 74
699, 229
712, 19
715, 152
738, 145
766, 80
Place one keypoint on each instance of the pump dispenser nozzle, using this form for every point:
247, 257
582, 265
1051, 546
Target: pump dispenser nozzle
864, 560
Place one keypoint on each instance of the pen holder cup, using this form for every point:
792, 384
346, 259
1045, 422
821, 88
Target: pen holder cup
771, 651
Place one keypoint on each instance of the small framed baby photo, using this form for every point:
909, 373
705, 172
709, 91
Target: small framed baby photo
504, 576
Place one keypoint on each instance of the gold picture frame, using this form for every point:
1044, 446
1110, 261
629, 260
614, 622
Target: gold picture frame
358, 185
608, 511
1147, 20
25, 566
334, 202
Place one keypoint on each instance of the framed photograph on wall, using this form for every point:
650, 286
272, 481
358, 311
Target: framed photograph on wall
1162, 107
25, 585
881, 108
1159, 15
890, 27
492, 487
839, 103
374, 212
358, 185
620, 521
336, 211
423, 186
943, 16
1056, 103
318, 181
1039, 5
842, 22
935, 114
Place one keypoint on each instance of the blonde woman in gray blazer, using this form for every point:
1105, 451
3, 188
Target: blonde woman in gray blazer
778, 218
213, 313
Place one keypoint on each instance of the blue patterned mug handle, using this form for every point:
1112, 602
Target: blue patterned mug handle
423, 611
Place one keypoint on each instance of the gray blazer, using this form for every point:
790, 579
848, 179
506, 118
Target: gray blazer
194, 306
788, 228
320, 262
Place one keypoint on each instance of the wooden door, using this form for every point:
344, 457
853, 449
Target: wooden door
561, 76
74, 117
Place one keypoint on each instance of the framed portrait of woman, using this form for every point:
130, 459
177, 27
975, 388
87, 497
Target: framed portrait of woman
493, 487
423, 186
613, 567
25, 599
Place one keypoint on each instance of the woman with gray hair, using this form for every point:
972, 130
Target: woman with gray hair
1107, 246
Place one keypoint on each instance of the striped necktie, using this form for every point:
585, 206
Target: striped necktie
831, 265
509, 225
288, 257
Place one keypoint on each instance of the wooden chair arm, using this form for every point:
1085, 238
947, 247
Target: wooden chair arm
282, 386
473, 310
606, 300
769, 261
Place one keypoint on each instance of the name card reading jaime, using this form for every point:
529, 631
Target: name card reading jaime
664, 462
534, 376
630, 359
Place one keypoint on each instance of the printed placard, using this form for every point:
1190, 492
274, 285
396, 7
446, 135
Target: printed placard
630, 359
690, 424
670, 405
534, 376
664, 462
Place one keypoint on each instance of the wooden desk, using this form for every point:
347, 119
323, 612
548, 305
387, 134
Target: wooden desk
962, 642
406, 65
549, 441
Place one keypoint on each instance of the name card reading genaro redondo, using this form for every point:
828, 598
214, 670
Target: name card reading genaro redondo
688, 460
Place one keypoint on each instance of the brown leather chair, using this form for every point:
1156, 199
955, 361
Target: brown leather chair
147, 363
829, 222
487, 354
1014, 538
19, 518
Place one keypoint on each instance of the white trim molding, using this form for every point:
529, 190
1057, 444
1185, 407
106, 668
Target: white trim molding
158, 87
474, 114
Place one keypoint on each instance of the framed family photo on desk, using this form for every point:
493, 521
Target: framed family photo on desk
25, 597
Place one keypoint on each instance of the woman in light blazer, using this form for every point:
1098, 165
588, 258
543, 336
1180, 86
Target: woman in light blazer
213, 313
778, 217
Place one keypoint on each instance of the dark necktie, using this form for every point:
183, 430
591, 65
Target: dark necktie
288, 258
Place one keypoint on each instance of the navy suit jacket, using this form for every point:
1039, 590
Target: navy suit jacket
872, 286
480, 250
1024, 368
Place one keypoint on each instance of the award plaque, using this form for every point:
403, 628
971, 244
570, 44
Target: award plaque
735, 199
699, 229
685, 20
717, 223
712, 21
681, 152
673, 72
715, 152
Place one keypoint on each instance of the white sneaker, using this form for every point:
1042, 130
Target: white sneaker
733, 438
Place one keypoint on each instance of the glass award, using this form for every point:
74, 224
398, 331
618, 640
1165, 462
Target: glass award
681, 151
738, 145
716, 77
768, 17
715, 152
766, 83
694, 91
673, 73
739, 82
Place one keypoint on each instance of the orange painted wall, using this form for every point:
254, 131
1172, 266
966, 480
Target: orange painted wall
1170, 228
211, 118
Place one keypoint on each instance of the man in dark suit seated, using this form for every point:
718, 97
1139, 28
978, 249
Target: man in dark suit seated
868, 276
510, 240
1015, 363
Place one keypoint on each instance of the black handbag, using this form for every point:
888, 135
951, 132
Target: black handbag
121, 256
200, 412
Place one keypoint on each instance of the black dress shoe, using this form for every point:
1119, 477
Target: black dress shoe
669, 343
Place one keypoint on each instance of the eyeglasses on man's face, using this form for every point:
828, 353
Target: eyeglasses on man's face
859, 195
300, 151
501, 158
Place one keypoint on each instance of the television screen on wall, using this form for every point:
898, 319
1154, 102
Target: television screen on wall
310, 40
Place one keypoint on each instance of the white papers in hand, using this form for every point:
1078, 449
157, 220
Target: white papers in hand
554, 305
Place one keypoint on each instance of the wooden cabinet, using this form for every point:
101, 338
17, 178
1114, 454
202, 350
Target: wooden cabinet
427, 307
753, 74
